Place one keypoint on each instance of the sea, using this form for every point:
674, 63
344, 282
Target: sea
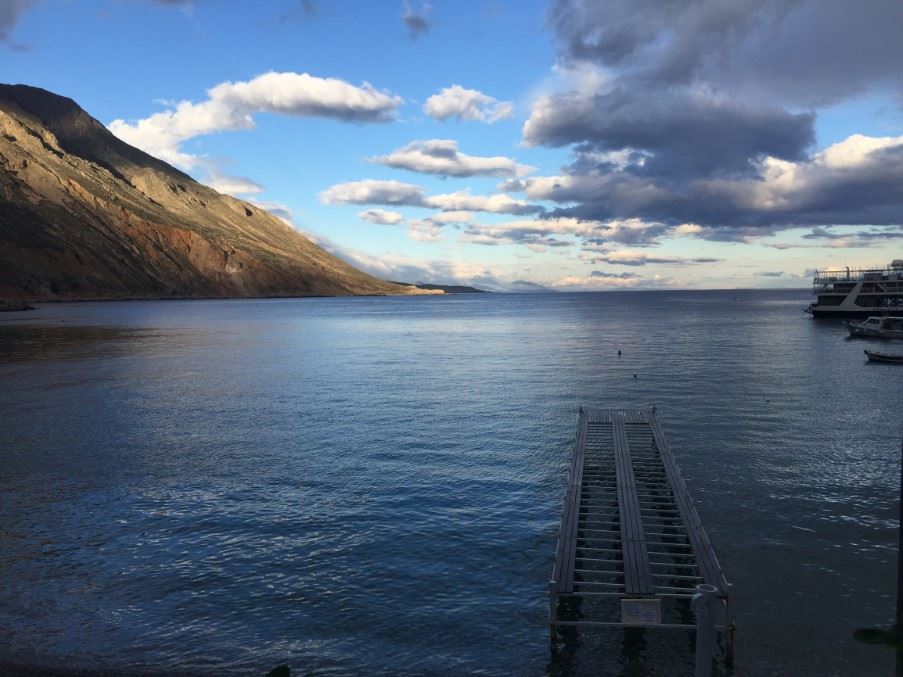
359, 486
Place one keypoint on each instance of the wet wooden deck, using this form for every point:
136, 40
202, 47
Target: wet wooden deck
631, 547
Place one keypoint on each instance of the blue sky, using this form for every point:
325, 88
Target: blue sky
629, 172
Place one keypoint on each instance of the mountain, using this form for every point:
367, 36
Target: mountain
83, 215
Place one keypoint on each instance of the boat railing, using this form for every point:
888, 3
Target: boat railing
823, 277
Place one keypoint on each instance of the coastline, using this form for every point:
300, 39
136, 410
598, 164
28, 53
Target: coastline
20, 305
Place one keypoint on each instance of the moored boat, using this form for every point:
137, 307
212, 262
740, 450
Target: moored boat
889, 358
877, 327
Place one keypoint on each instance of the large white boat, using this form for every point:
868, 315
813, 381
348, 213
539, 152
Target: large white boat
859, 293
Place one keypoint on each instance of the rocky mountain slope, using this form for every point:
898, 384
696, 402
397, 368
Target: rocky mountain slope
84, 215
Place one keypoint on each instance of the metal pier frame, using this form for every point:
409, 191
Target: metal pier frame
630, 532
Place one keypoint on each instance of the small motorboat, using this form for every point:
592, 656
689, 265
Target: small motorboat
889, 358
877, 327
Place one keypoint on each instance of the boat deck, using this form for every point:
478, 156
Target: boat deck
631, 547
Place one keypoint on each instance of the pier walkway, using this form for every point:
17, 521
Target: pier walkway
631, 548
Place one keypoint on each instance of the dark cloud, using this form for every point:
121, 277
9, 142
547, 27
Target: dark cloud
627, 258
304, 9
802, 52
813, 192
640, 234
614, 276
534, 234
675, 133
775, 273
10, 13
894, 233
416, 19
526, 285
703, 113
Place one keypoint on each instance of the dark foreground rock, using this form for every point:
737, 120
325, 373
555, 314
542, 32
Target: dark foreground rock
11, 306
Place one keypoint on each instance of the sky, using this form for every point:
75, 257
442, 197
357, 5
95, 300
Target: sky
513, 144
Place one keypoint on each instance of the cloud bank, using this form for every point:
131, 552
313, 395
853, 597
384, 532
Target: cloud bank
396, 193
704, 113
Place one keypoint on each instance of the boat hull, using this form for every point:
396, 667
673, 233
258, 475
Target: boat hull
860, 333
886, 358
877, 327
866, 312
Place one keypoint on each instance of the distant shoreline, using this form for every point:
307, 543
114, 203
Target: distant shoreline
18, 305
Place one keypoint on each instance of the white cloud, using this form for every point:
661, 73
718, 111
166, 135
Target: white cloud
466, 104
627, 257
302, 94
441, 156
456, 218
811, 184
406, 269
856, 150
381, 216
231, 105
371, 191
395, 193
686, 230
597, 280
597, 236
425, 230
162, 134
233, 185
390, 266
526, 229
497, 204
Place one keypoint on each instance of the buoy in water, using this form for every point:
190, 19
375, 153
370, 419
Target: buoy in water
619, 353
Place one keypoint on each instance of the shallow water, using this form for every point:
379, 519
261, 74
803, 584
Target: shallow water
374, 484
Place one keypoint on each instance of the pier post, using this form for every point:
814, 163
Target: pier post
899, 618
703, 604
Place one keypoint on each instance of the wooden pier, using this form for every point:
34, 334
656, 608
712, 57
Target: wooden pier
631, 548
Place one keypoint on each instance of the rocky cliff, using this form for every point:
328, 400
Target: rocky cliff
83, 215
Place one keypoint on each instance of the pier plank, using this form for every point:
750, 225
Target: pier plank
637, 572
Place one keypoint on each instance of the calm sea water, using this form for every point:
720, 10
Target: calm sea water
373, 485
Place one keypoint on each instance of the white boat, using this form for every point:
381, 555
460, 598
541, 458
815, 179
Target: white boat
877, 327
859, 293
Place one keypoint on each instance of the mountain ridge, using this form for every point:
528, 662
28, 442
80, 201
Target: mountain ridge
83, 215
